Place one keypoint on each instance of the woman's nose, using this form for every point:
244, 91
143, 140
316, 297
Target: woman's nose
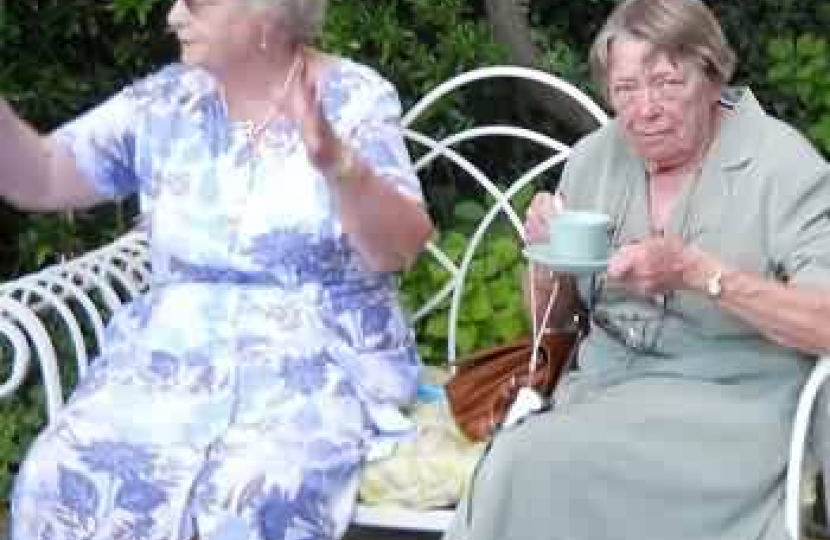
649, 104
177, 16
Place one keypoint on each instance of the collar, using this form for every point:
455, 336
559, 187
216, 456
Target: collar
739, 132
198, 86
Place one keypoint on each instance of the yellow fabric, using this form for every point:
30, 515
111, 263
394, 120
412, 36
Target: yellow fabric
430, 470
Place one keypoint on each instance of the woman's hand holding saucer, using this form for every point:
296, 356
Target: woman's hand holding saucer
543, 206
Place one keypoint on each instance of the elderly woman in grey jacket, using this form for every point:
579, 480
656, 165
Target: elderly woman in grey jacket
240, 396
706, 323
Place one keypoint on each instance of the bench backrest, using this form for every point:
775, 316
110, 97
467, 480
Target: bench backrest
556, 153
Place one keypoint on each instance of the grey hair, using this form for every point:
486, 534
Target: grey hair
304, 18
683, 29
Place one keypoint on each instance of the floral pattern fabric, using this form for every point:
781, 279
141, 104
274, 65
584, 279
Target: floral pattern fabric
239, 397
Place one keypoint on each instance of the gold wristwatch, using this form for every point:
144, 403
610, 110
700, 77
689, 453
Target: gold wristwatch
713, 284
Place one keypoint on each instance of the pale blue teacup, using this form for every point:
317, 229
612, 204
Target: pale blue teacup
579, 243
579, 237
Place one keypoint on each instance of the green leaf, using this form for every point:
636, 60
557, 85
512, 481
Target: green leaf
469, 211
806, 44
507, 326
410, 301
479, 270
504, 292
504, 251
820, 132
466, 339
478, 306
780, 49
436, 272
804, 90
427, 352
521, 200
437, 326
453, 245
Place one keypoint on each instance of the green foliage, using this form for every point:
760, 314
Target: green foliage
768, 66
491, 310
20, 420
415, 43
565, 34
22, 417
800, 67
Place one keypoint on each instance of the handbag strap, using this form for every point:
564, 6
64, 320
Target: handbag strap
540, 328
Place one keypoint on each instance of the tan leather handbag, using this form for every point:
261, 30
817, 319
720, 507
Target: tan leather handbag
485, 383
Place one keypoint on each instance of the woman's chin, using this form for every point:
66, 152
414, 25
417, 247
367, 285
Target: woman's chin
654, 150
191, 60
191, 56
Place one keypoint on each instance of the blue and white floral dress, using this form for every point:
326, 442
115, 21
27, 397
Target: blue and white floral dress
239, 397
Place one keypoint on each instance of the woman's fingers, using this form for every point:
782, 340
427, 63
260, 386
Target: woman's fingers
542, 207
306, 107
653, 265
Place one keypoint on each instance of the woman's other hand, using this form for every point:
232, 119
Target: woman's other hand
387, 227
325, 149
659, 264
542, 207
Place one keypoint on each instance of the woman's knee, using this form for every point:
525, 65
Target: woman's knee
536, 447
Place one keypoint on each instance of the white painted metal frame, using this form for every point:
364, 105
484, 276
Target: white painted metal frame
799, 446
78, 291
445, 149
82, 290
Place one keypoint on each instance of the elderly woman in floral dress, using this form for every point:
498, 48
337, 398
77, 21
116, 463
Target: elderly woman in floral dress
239, 397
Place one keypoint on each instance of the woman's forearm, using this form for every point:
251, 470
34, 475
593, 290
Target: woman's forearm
36, 174
388, 228
24, 174
792, 315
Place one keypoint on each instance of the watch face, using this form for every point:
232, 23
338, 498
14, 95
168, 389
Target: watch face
713, 285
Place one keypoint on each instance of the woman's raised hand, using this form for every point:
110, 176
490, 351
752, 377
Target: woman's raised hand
542, 207
325, 149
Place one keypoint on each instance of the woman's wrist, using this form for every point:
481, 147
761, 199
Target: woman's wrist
345, 167
703, 273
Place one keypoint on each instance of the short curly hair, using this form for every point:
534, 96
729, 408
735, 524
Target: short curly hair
305, 17
682, 28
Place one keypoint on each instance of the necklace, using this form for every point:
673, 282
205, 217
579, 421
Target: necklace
658, 225
642, 333
255, 130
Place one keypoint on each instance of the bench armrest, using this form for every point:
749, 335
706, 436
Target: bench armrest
94, 284
798, 443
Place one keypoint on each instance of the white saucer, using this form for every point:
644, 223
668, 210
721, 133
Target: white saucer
540, 253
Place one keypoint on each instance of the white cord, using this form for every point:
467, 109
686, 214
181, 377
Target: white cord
528, 399
539, 328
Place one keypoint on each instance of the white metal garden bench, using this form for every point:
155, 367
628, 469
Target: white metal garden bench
101, 281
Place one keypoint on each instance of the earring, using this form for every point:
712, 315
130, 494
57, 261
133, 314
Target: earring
263, 43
